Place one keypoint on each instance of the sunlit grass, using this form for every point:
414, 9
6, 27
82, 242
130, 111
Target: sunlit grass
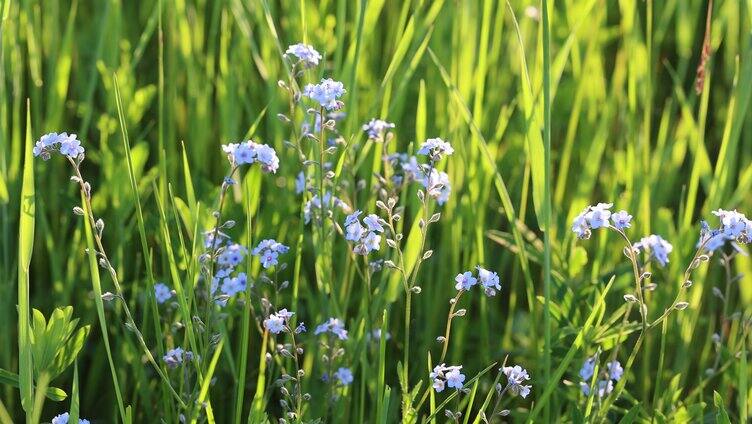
548, 111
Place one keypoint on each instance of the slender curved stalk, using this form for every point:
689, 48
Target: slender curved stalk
687, 273
450, 317
86, 196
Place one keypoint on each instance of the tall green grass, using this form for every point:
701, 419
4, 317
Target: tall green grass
549, 109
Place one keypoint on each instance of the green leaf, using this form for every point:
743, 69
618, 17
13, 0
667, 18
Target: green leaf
575, 346
25, 248
73, 411
11, 379
721, 415
631, 416
54, 347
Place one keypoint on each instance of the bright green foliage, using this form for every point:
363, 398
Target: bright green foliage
55, 344
599, 105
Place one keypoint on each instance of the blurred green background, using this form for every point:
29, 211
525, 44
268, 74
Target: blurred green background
627, 123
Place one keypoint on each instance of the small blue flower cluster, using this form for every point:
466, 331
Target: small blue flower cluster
306, 55
278, 322
489, 280
376, 129
249, 152
162, 293
312, 208
64, 418
657, 248
444, 376
594, 217
326, 93
434, 181
268, 251
66, 145
227, 256
174, 358
735, 228
516, 375
334, 328
435, 149
366, 237
603, 385
600, 216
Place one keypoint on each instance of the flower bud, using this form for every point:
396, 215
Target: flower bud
283, 118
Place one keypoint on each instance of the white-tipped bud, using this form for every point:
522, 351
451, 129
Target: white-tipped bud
107, 297
435, 217
687, 284
441, 339
416, 290
78, 211
630, 298
681, 306
460, 313
283, 118
428, 254
717, 292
